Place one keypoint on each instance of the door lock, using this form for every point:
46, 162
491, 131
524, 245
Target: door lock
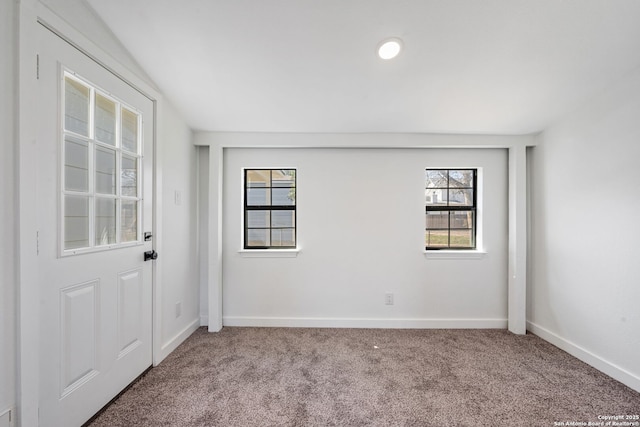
150, 255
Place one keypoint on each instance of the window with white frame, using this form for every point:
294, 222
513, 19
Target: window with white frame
101, 169
269, 208
450, 208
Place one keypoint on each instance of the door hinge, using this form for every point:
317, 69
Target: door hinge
37, 67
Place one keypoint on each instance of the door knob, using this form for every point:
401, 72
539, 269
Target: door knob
150, 255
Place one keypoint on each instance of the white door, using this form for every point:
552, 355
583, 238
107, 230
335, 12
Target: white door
94, 188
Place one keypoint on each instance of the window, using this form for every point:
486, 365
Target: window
101, 169
450, 208
269, 208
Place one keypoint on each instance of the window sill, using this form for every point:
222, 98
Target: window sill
448, 254
269, 253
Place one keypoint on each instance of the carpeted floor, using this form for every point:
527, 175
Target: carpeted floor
368, 377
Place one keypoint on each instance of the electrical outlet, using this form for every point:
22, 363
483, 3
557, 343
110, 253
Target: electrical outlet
178, 309
388, 298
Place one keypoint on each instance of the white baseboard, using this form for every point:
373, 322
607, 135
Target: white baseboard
178, 339
608, 368
323, 322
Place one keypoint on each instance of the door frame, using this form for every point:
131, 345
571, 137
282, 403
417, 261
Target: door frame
31, 15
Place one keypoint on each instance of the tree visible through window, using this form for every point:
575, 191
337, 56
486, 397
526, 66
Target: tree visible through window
269, 208
450, 208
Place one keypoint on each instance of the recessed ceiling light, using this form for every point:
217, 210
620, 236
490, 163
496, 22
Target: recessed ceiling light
389, 48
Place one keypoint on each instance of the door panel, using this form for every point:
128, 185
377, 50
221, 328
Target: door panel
95, 287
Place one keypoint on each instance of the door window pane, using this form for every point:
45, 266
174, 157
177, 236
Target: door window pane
105, 221
105, 119
129, 131
129, 219
76, 165
76, 222
129, 176
105, 171
76, 107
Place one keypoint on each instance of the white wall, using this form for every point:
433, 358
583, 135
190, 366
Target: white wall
361, 234
81, 17
8, 289
178, 258
584, 281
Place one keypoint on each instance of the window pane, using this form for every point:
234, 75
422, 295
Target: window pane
258, 178
76, 107
258, 196
435, 197
436, 178
105, 120
258, 237
129, 176
105, 221
129, 221
437, 238
105, 171
437, 219
129, 131
76, 165
258, 219
461, 239
461, 178
458, 197
283, 218
76, 222
283, 196
462, 219
283, 178
282, 237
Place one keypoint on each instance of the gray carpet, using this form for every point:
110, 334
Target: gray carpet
368, 377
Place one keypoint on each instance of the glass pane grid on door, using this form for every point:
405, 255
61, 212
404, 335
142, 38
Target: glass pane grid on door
101, 170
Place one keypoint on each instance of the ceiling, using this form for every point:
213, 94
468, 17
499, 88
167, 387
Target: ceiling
467, 66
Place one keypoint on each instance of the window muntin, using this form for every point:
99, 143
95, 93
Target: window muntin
101, 170
450, 208
269, 208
